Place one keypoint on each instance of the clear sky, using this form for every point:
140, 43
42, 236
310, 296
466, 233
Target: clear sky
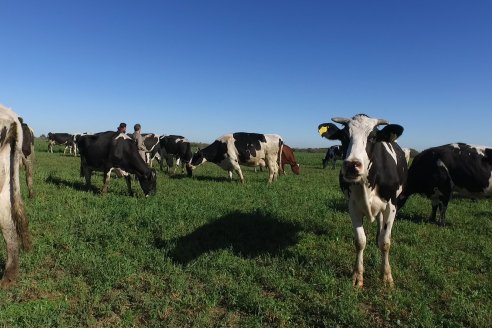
205, 68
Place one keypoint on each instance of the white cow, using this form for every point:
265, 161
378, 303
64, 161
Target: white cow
13, 220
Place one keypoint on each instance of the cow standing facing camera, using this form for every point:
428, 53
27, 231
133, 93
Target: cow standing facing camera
373, 172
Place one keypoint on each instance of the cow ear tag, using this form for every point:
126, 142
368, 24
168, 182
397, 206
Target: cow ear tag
323, 130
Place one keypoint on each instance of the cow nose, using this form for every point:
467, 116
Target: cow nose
352, 167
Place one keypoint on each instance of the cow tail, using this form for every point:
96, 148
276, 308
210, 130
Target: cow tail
17, 206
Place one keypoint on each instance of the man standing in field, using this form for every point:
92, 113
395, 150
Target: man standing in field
122, 128
137, 136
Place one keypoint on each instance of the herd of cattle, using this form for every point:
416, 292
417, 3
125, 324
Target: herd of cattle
374, 175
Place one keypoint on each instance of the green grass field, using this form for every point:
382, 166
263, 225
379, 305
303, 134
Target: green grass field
206, 252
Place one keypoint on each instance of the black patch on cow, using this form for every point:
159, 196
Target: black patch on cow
247, 144
389, 133
3, 135
215, 153
27, 141
384, 172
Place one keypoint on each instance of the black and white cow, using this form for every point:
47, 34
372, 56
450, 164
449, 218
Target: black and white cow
241, 148
28, 155
175, 147
437, 172
151, 142
372, 175
13, 220
333, 154
66, 139
108, 151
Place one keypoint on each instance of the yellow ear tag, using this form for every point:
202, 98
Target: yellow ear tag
323, 130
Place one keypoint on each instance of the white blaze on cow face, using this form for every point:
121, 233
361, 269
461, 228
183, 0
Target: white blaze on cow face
356, 164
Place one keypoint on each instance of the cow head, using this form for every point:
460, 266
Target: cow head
358, 136
148, 182
296, 168
197, 159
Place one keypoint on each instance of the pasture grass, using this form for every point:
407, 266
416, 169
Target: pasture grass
207, 252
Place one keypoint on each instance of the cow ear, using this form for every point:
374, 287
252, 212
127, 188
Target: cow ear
390, 133
329, 131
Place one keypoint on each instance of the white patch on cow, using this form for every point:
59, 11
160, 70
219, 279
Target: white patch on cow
455, 145
123, 136
480, 149
389, 148
119, 172
488, 190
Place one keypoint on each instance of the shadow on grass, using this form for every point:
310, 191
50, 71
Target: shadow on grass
246, 234
76, 185
213, 179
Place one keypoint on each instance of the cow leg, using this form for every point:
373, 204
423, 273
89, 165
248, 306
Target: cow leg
106, 178
360, 245
237, 168
230, 174
29, 172
385, 223
12, 264
273, 170
87, 175
129, 184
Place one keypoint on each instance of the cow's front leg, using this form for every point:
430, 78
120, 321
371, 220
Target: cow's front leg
360, 245
128, 180
12, 265
107, 177
384, 243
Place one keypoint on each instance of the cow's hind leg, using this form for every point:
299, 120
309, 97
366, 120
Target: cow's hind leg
385, 224
237, 168
29, 172
273, 170
12, 264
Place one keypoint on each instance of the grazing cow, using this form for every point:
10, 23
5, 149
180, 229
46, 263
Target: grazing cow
289, 158
231, 150
28, 155
108, 151
333, 154
437, 172
372, 175
62, 139
175, 147
13, 220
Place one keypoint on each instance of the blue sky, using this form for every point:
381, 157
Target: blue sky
205, 68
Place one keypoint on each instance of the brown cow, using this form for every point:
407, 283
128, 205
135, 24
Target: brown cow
289, 158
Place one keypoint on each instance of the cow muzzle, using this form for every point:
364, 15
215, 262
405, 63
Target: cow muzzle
352, 170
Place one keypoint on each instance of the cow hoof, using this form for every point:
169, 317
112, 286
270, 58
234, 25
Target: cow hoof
358, 281
6, 282
388, 281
